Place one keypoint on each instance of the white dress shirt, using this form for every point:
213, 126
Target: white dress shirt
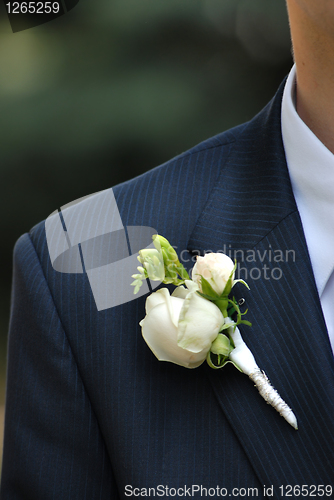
311, 168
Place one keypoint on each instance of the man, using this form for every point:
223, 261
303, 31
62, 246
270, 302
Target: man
91, 413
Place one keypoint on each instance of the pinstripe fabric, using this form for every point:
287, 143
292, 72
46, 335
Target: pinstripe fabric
89, 408
47, 400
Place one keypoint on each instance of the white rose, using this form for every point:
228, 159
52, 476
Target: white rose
181, 328
216, 268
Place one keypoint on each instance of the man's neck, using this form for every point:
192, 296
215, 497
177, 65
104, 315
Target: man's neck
314, 57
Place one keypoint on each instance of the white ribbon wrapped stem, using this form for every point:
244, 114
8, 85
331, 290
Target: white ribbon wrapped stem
244, 359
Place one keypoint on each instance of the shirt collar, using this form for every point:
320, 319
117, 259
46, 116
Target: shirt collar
311, 169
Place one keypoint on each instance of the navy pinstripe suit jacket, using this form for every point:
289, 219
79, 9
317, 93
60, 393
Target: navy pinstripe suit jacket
91, 410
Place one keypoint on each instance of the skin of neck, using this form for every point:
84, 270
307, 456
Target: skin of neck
312, 36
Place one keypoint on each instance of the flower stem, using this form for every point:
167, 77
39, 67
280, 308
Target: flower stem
222, 305
271, 396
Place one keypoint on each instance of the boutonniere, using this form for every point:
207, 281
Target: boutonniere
200, 320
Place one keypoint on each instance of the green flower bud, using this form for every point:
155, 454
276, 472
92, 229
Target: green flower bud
221, 345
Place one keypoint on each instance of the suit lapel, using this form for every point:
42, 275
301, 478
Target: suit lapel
252, 211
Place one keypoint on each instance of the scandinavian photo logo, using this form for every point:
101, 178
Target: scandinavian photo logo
88, 236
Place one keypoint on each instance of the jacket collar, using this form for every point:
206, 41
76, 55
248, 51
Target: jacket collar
253, 193
252, 210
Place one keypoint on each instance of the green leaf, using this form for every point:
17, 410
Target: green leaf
220, 364
212, 365
241, 281
182, 271
229, 284
208, 290
244, 322
233, 363
204, 296
228, 325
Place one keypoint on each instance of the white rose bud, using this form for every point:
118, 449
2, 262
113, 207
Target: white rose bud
181, 328
216, 268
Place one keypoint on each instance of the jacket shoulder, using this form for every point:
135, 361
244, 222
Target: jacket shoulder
221, 142
181, 184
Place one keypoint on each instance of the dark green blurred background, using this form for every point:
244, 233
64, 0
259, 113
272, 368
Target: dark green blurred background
116, 87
